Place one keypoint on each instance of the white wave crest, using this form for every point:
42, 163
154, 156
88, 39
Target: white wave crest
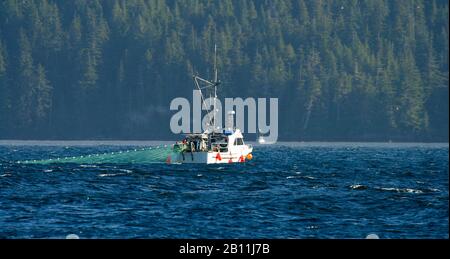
401, 190
358, 187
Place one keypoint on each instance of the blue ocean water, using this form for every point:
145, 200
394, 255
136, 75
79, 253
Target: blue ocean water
289, 190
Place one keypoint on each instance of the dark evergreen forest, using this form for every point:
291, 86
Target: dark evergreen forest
342, 70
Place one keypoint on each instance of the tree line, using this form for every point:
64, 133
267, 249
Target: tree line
342, 69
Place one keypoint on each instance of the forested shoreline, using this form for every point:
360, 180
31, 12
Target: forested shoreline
343, 70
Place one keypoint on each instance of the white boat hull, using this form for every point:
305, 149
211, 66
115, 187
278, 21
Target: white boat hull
209, 157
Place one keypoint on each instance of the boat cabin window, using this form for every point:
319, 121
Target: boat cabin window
238, 142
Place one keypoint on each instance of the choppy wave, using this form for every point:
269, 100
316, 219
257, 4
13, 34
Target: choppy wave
358, 187
408, 190
394, 189
88, 166
106, 175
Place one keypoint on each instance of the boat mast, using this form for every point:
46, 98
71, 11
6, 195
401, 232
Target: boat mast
215, 85
209, 83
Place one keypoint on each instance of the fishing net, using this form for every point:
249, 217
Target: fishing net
157, 154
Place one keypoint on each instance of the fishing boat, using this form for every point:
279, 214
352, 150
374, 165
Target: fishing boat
215, 145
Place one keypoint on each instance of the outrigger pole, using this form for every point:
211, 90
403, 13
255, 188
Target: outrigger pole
208, 83
215, 86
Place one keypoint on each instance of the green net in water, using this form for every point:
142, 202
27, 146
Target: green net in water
136, 156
